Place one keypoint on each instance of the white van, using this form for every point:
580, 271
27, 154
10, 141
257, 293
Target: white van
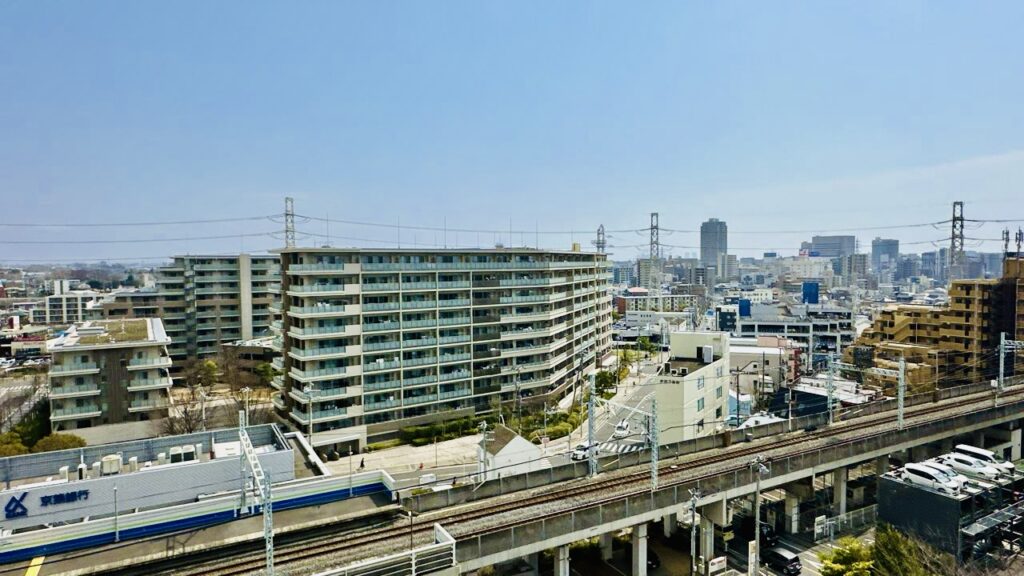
929, 478
955, 476
987, 456
969, 466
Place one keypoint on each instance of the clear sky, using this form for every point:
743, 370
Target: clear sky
773, 116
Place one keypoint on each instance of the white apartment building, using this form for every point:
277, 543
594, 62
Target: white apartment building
693, 394
109, 372
375, 340
66, 307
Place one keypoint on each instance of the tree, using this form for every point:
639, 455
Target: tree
230, 367
896, 553
850, 557
58, 441
603, 381
645, 345
265, 372
11, 445
186, 415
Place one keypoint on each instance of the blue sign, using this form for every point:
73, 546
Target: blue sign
64, 497
15, 507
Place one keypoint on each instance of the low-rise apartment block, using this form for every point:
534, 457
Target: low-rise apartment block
109, 372
374, 340
693, 390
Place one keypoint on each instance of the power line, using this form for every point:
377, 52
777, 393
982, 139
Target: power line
141, 240
122, 224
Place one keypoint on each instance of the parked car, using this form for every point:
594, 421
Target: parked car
930, 478
969, 466
621, 429
580, 452
955, 476
986, 456
783, 561
769, 537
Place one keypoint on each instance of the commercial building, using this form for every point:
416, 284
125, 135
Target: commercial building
728, 268
624, 273
205, 301
830, 246
884, 254
376, 340
714, 241
693, 390
650, 273
817, 328
109, 372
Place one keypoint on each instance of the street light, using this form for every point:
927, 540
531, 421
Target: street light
694, 496
519, 404
245, 395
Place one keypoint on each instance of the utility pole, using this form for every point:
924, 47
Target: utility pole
694, 496
1002, 359
245, 395
901, 392
519, 405
652, 437
591, 448
758, 468
830, 386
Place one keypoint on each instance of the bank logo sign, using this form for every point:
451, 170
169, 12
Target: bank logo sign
15, 507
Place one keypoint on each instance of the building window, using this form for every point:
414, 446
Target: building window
718, 392
700, 383
700, 425
700, 404
718, 413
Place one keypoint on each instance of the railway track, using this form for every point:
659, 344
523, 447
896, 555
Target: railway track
672, 473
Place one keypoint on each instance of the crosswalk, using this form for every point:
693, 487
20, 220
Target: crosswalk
618, 448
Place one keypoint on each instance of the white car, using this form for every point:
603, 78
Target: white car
955, 476
969, 466
621, 429
930, 478
987, 456
580, 452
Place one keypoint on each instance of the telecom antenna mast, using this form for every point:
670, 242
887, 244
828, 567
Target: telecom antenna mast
289, 222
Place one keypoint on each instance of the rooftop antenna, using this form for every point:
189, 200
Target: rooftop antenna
1020, 240
1006, 242
289, 222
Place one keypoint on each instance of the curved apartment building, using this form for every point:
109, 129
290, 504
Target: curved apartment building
374, 340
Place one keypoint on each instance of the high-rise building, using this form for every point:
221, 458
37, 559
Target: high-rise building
623, 273
714, 241
831, 246
376, 340
109, 372
728, 268
884, 254
649, 276
205, 301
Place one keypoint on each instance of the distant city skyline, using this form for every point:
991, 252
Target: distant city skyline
784, 120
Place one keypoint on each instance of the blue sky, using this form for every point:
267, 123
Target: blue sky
552, 116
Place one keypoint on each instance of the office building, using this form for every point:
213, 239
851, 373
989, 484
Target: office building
623, 273
377, 340
714, 241
693, 393
830, 246
817, 328
884, 254
205, 301
728, 268
650, 275
109, 372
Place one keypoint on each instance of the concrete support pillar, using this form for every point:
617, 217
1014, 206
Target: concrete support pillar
918, 453
707, 538
534, 561
839, 477
946, 445
562, 561
1015, 442
881, 465
606, 546
640, 550
668, 525
978, 438
792, 510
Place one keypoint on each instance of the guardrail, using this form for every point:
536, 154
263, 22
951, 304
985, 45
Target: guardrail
423, 560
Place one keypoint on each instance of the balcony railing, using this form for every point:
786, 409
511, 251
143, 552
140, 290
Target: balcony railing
429, 379
419, 342
87, 411
378, 366
386, 385
420, 399
381, 287
382, 405
455, 394
152, 362
419, 361
318, 288
148, 405
72, 391
455, 321
453, 302
378, 306
418, 304
459, 375
376, 346
455, 339
445, 358
327, 309
429, 323
81, 367
453, 284
381, 326
322, 351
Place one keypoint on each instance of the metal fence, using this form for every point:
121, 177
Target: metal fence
423, 560
826, 528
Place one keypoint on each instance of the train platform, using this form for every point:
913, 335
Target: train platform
128, 557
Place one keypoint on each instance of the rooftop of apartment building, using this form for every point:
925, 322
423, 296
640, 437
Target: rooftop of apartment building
381, 251
111, 333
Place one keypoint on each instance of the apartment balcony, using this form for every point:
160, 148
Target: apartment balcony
325, 331
419, 343
277, 363
421, 399
455, 321
454, 303
277, 382
458, 375
378, 346
74, 391
215, 267
381, 366
429, 323
148, 405
218, 290
278, 402
412, 286
385, 385
461, 393
533, 298
481, 372
418, 304
381, 287
381, 306
324, 289
381, 326
407, 362
419, 380
75, 413
449, 358
323, 353
385, 405
486, 319
318, 395
323, 269
324, 373
76, 369
528, 333
303, 416
148, 363
516, 282
484, 354
455, 339
143, 384
319, 311
454, 284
